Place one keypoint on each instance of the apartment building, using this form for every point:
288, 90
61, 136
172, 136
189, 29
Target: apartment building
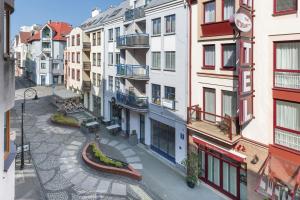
244, 98
7, 87
45, 65
21, 47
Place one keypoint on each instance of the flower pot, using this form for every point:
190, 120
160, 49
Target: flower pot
190, 184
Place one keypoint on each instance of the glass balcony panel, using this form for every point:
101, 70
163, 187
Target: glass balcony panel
139, 40
133, 71
134, 14
132, 101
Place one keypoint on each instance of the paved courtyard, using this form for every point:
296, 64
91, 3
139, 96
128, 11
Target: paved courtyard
61, 173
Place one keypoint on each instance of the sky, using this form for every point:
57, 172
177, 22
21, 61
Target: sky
28, 12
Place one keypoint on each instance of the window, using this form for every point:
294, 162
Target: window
78, 75
229, 103
98, 80
156, 26
118, 58
209, 104
285, 6
229, 56
94, 39
43, 65
170, 93
94, 59
156, 94
117, 84
6, 134
98, 59
68, 72
247, 2
78, 57
73, 74
78, 39
73, 57
170, 60
287, 65
209, 56
99, 38
170, 24
287, 125
228, 9
110, 34
110, 83
117, 33
110, 58
210, 12
73, 40
156, 60
94, 79
55, 66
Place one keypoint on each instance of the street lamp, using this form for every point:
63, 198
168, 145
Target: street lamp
29, 92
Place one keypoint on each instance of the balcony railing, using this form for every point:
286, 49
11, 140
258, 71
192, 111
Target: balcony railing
287, 79
87, 66
134, 14
86, 86
217, 29
139, 40
167, 103
222, 128
287, 138
139, 72
86, 46
133, 102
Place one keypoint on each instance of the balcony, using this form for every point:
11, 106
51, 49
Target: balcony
86, 86
7, 84
287, 79
137, 72
224, 129
167, 103
287, 138
87, 66
134, 14
130, 101
140, 40
86, 46
217, 29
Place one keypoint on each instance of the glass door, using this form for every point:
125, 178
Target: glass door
213, 170
210, 104
142, 129
230, 178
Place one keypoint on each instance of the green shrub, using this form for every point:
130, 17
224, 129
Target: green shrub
64, 120
103, 158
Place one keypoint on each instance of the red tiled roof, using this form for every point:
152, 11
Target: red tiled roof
24, 36
61, 29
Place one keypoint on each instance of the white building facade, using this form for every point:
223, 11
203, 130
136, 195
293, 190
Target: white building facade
7, 87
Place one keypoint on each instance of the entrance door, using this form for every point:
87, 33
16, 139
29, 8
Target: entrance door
43, 80
127, 121
213, 170
142, 129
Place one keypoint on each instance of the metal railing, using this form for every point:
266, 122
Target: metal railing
133, 71
86, 85
86, 45
87, 66
137, 40
132, 100
226, 124
287, 79
135, 13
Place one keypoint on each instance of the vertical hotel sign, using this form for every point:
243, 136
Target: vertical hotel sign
243, 22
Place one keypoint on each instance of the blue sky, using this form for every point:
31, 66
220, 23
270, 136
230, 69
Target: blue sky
28, 12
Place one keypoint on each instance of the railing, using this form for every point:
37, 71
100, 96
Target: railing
47, 49
287, 79
86, 45
86, 85
167, 103
133, 71
134, 14
287, 138
139, 40
87, 66
227, 125
132, 100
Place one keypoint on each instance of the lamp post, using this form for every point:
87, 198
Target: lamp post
29, 92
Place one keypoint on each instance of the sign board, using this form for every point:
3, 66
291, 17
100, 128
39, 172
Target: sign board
242, 22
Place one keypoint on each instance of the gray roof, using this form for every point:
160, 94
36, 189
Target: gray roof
154, 3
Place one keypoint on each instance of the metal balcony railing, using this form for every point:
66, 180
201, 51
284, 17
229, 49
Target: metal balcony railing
87, 66
132, 101
135, 13
86, 46
133, 71
287, 79
139, 40
86, 86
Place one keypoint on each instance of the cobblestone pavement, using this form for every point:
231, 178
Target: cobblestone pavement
56, 154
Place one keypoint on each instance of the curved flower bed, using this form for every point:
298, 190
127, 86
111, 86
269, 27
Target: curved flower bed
63, 120
101, 162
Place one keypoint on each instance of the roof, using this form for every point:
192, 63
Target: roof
60, 29
154, 3
24, 36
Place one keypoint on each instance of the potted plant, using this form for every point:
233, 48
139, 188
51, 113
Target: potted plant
191, 164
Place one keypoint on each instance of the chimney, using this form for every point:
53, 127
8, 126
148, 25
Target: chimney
49, 22
95, 12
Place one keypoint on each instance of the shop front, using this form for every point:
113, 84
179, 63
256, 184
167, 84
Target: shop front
223, 169
280, 176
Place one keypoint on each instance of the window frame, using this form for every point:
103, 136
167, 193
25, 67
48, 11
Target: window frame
110, 35
152, 98
173, 68
98, 38
98, 80
204, 19
209, 67
78, 39
94, 59
171, 17
110, 83
110, 58
78, 57
165, 93
94, 39
153, 20
98, 60
6, 144
77, 75
119, 33
73, 74
117, 55
227, 68
223, 3
222, 106
284, 12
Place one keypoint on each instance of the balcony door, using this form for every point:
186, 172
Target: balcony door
127, 121
209, 104
142, 129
